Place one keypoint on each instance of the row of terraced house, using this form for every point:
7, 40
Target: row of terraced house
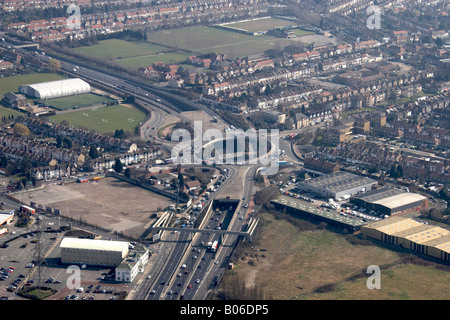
171, 14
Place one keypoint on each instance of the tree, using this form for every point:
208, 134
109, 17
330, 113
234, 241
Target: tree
21, 130
118, 167
93, 152
67, 143
58, 141
54, 65
396, 171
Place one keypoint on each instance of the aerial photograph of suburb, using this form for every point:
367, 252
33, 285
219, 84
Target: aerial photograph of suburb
224, 158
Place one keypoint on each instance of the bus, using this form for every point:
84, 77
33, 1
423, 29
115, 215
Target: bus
27, 209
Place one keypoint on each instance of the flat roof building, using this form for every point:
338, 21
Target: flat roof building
411, 235
6, 216
337, 185
391, 201
93, 252
331, 217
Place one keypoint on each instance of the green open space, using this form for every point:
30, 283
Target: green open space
260, 24
174, 46
117, 48
293, 259
103, 119
5, 112
301, 32
76, 101
148, 60
204, 39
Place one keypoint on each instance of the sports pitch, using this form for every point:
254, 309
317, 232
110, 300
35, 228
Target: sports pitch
203, 40
76, 101
256, 25
103, 119
117, 48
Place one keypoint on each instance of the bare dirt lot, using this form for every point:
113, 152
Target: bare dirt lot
108, 203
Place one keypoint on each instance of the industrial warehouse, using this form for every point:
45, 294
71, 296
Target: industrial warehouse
329, 216
410, 234
55, 89
390, 201
127, 259
337, 185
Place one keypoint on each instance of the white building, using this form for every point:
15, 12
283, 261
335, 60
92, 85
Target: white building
55, 89
133, 264
93, 252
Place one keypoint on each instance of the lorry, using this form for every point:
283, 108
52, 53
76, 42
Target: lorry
214, 246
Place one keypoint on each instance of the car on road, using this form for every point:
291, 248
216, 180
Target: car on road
197, 281
189, 286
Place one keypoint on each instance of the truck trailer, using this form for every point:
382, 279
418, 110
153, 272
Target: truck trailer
214, 246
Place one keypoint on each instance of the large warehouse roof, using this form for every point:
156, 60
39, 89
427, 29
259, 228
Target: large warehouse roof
90, 244
339, 181
55, 89
393, 225
400, 200
442, 243
320, 213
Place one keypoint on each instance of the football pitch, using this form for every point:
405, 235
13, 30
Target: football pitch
176, 45
203, 40
256, 25
76, 101
121, 49
103, 119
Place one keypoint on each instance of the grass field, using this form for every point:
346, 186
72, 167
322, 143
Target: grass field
81, 100
402, 282
300, 32
148, 60
186, 42
299, 259
7, 111
202, 40
12, 83
117, 48
260, 24
104, 119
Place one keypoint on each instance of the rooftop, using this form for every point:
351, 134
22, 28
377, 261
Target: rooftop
332, 215
90, 244
390, 197
339, 181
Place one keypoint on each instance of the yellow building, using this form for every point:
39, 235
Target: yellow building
410, 234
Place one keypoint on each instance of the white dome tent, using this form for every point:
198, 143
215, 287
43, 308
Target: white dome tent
56, 89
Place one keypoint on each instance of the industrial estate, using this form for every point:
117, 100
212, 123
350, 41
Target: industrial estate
352, 95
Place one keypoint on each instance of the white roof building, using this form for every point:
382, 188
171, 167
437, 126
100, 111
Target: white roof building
93, 252
55, 89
